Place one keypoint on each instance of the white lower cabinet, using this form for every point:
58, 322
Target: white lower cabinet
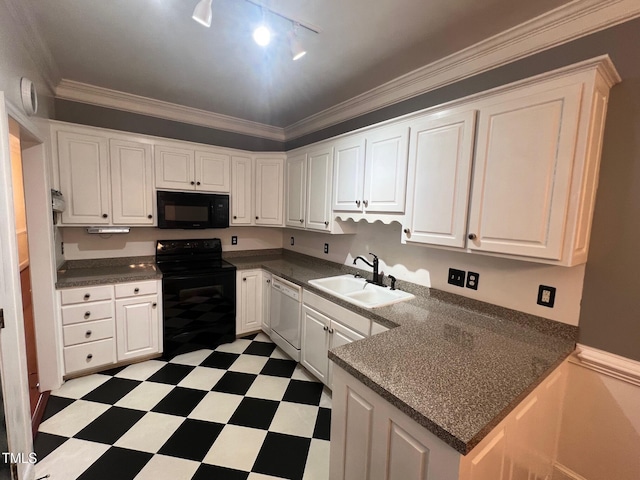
249, 299
266, 302
137, 327
373, 440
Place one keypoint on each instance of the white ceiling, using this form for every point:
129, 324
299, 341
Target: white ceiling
154, 49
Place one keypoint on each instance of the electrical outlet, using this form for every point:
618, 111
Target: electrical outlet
234, 240
292, 241
456, 277
472, 280
326, 248
546, 296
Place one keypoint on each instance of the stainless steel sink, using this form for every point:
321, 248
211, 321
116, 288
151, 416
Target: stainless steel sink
359, 292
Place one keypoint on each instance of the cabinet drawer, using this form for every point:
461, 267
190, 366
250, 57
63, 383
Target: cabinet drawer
89, 355
88, 294
88, 312
87, 332
136, 289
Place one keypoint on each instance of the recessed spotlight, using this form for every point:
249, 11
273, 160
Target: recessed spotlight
262, 35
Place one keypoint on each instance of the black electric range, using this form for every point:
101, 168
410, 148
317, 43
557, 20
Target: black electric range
198, 295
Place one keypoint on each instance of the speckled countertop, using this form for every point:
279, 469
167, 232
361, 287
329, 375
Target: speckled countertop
455, 365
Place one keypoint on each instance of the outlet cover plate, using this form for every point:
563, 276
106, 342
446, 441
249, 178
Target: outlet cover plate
326, 248
473, 279
456, 277
546, 296
234, 240
292, 241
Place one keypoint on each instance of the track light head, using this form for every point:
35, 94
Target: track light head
202, 13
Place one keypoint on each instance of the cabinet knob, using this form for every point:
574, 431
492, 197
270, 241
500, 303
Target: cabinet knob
104, 215
235, 217
87, 314
257, 217
472, 236
193, 183
87, 296
366, 203
197, 183
268, 281
149, 217
136, 290
325, 328
89, 357
407, 231
357, 203
326, 224
154, 304
331, 330
244, 279
88, 333
301, 220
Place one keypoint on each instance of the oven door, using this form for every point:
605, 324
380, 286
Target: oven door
199, 311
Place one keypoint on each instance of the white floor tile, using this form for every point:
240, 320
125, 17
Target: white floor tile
74, 418
301, 373
216, 407
79, 387
260, 476
236, 447
249, 364
268, 387
262, 337
142, 370
191, 358
317, 467
150, 432
238, 346
202, 378
294, 419
325, 398
162, 467
70, 459
279, 353
145, 396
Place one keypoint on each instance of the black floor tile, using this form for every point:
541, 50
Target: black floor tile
322, 429
112, 390
282, 456
171, 373
55, 405
234, 382
213, 472
277, 367
249, 337
179, 401
260, 348
192, 440
113, 371
254, 413
111, 425
117, 463
220, 360
300, 391
45, 443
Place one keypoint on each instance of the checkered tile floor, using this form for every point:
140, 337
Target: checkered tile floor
243, 411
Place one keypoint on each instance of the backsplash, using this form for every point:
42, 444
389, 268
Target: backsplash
508, 283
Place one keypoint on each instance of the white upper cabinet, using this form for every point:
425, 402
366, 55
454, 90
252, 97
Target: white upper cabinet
296, 191
440, 155
269, 189
241, 190
83, 161
319, 174
131, 183
181, 168
348, 180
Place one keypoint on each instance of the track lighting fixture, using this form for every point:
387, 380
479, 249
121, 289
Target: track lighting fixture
297, 50
202, 13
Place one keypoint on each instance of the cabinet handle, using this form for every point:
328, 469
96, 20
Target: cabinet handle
104, 215
89, 357
357, 203
87, 296
154, 304
325, 328
407, 231
88, 333
472, 236
87, 314
197, 183
136, 290
193, 183
149, 217
301, 220
366, 203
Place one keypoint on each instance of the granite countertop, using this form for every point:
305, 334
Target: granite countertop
456, 366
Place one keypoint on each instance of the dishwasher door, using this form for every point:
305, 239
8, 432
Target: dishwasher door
285, 316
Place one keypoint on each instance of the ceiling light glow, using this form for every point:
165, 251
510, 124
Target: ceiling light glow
262, 35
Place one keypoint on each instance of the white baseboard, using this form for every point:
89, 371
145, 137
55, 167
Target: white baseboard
560, 472
607, 363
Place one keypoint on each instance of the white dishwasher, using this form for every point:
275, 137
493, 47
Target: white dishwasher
286, 306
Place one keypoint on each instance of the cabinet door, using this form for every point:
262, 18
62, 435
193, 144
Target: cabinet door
386, 169
295, 184
175, 168
438, 179
84, 178
137, 327
522, 177
212, 171
348, 189
269, 200
319, 173
339, 335
266, 302
315, 343
241, 190
131, 183
250, 304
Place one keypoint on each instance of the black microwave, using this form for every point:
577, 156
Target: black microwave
192, 210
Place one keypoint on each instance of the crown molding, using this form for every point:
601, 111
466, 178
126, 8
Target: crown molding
104, 97
610, 364
561, 25
34, 43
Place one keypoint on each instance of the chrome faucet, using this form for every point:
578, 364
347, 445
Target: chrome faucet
374, 265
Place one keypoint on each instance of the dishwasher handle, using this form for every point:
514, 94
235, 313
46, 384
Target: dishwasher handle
292, 291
